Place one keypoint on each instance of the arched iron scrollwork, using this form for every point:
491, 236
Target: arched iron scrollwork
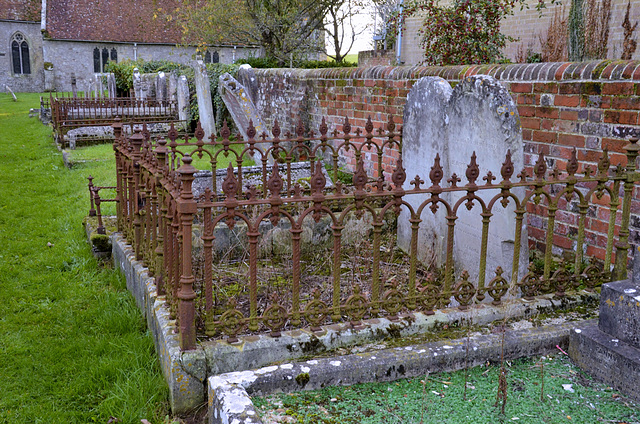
162, 216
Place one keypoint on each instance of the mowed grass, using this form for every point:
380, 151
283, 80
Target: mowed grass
73, 346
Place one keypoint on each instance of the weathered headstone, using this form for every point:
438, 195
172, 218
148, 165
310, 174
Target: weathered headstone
172, 86
111, 85
183, 98
247, 77
239, 105
99, 85
91, 87
137, 84
205, 105
161, 87
614, 342
477, 116
424, 136
74, 85
148, 86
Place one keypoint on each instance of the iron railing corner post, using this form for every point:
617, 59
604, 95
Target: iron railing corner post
630, 178
117, 134
161, 155
136, 141
186, 208
92, 210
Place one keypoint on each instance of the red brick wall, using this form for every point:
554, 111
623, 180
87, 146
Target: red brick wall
589, 106
376, 58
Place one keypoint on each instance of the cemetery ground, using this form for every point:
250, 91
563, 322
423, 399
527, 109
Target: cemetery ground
74, 347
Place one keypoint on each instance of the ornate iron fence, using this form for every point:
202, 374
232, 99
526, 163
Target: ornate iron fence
227, 291
68, 113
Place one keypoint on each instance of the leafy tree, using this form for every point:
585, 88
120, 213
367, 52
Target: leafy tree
467, 31
285, 29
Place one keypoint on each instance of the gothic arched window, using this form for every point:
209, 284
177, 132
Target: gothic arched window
96, 60
102, 57
20, 54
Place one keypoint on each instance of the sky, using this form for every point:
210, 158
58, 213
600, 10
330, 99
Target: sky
363, 21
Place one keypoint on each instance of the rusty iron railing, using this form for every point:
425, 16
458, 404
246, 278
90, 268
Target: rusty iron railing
69, 113
177, 233
96, 203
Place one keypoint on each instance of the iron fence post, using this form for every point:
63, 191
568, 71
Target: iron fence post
622, 246
187, 208
92, 210
161, 155
117, 133
136, 141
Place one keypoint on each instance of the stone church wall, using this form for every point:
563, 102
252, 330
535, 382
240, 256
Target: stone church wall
26, 82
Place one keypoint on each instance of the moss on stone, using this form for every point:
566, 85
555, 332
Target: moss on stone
100, 242
302, 379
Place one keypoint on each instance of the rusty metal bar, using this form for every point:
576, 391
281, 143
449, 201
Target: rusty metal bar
631, 175
486, 217
549, 241
613, 208
187, 208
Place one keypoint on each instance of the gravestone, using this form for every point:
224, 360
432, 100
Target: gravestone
91, 88
99, 86
424, 136
137, 84
183, 98
239, 105
74, 85
111, 85
247, 77
172, 86
477, 116
609, 350
161, 87
148, 86
205, 105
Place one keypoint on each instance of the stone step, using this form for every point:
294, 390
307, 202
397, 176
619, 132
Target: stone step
620, 311
607, 359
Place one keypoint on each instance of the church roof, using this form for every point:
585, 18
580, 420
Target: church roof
111, 20
20, 10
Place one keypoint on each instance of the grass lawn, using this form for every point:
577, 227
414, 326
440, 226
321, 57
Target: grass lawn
560, 394
352, 57
73, 346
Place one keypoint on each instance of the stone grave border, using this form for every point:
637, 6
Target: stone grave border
229, 394
186, 372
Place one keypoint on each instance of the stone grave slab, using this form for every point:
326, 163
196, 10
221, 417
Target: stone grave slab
205, 105
241, 108
610, 349
161, 87
477, 116
182, 95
